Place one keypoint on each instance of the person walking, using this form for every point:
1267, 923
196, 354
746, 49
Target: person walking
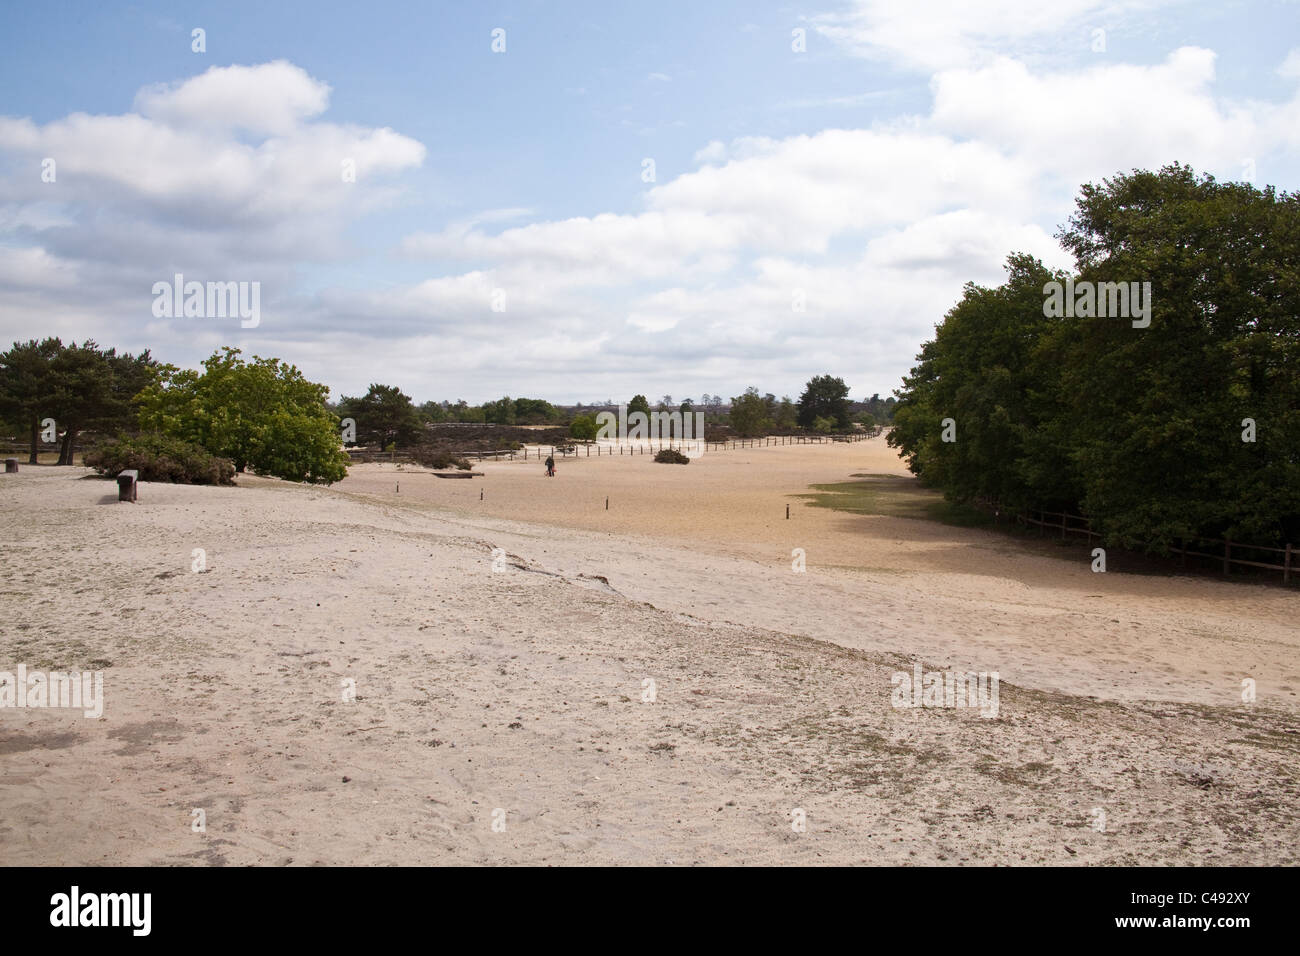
550, 466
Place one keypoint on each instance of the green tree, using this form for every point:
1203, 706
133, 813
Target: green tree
824, 397
262, 415
583, 428
787, 415
639, 403
536, 411
385, 416
750, 414
433, 411
1140, 428
26, 382
500, 412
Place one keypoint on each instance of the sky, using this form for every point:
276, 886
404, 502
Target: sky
584, 201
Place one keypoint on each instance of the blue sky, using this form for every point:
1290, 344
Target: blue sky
812, 210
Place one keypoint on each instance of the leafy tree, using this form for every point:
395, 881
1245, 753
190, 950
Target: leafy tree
824, 397
1140, 428
750, 414
500, 412
262, 415
536, 411
639, 403
433, 411
584, 428
787, 416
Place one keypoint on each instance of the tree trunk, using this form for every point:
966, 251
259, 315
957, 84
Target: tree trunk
36, 436
69, 442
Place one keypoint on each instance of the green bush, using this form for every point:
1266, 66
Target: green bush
161, 458
671, 456
584, 428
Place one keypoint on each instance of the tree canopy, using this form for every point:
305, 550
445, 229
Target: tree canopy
384, 416
262, 415
1188, 427
825, 397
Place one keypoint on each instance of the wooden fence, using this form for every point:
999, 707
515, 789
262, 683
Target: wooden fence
584, 450
1069, 524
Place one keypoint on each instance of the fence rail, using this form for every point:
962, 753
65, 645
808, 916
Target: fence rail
1062, 522
584, 450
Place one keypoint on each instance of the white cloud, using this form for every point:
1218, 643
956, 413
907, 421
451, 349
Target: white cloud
692, 290
930, 35
269, 98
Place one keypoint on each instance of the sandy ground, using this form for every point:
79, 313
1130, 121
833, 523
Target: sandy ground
518, 696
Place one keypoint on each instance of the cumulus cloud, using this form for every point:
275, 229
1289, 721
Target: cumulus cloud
773, 259
230, 175
269, 98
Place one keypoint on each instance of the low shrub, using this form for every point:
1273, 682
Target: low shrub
438, 458
671, 456
161, 458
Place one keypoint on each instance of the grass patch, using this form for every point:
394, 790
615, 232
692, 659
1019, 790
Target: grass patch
894, 496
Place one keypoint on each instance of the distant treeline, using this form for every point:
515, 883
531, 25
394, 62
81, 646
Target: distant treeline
264, 416
1185, 427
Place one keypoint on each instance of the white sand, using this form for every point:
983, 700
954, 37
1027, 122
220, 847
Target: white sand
773, 688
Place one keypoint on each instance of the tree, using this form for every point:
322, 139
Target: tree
638, 404
500, 412
749, 414
25, 383
536, 411
1141, 428
433, 411
825, 397
262, 415
786, 414
79, 386
385, 416
583, 428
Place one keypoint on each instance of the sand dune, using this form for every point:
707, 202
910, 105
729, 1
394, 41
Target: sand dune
516, 695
